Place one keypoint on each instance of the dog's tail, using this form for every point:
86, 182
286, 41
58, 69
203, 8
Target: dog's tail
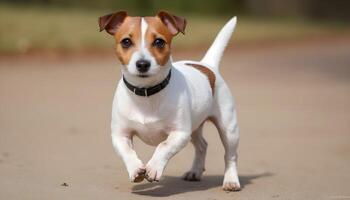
213, 56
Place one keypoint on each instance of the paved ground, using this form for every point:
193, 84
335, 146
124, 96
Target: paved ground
293, 108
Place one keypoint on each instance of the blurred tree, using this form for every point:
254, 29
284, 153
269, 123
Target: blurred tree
337, 9
316, 9
276, 7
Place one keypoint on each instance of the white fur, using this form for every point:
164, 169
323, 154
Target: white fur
213, 56
144, 27
175, 115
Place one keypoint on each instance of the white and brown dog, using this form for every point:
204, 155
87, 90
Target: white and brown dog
166, 103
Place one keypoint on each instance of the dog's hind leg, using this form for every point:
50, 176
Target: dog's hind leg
200, 146
225, 119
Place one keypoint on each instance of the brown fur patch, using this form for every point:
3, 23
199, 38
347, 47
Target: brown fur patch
156, 29
206, 71
131, 28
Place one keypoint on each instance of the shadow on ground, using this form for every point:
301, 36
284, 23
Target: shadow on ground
172, 185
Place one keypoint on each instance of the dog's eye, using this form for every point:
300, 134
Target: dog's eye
126, 43
159, 43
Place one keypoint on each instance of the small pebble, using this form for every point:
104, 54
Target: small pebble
64, 184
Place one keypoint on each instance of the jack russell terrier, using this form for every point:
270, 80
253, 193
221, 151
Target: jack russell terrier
166, 103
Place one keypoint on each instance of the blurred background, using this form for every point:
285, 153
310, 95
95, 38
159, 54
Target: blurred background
70, 25
288, 66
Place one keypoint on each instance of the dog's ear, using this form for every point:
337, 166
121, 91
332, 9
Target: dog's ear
174, 23
112, 22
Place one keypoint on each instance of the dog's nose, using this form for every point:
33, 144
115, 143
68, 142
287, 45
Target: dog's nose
143, 65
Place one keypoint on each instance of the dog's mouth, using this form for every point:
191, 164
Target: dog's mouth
143, 75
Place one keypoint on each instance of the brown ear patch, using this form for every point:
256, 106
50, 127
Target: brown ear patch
181, 23
175, 24
206, 71
112, 22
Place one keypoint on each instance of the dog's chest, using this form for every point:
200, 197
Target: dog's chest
150, 121
151, 133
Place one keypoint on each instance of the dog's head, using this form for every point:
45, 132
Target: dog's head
143, 43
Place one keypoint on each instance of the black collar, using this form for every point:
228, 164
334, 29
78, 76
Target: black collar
146, 92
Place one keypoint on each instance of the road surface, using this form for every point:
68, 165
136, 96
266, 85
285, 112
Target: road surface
293, 104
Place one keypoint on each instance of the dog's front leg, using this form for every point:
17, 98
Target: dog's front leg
123, 145
165, 150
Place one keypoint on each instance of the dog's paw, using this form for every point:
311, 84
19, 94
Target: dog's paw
193, 175
231, 186
154, 171
138, 174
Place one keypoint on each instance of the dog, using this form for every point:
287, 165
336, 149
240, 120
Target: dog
166, 103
